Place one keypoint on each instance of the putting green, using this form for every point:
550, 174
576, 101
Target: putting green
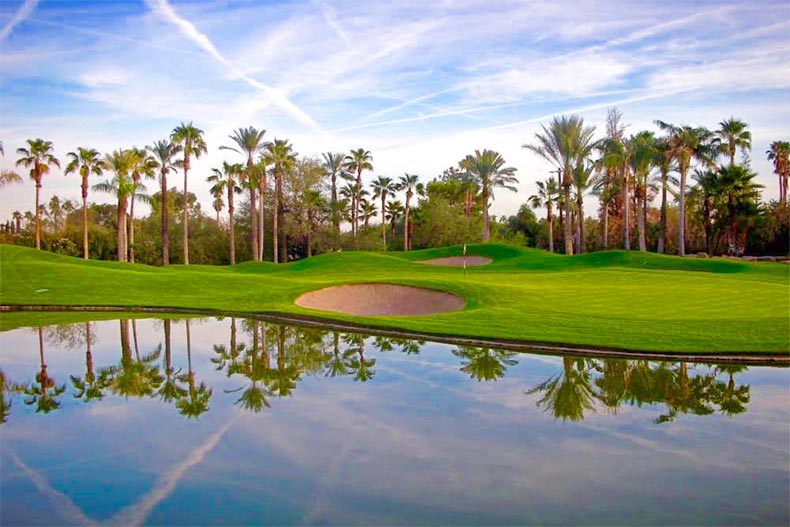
615, 299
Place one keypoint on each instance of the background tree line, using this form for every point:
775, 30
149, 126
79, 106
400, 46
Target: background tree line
270, 203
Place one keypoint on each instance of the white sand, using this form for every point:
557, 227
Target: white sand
458, 261
380, 300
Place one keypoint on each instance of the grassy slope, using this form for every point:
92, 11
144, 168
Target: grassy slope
614, 299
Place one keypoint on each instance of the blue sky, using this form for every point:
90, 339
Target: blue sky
419, 84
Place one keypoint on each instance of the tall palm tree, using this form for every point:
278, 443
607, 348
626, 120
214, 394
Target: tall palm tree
249, 143
366, 212
190, 139
357, 161
547, 193
736, 185
226, 179
409, 183
663, 161
643, 149
121, 185
733, 135
333, 164
706, 191
217, 202
164, 152
280, 155
685, 144
85, 161
38, 157
612, 170
382, 187
489, 170
395, 210
779, 153
563, 143
583, 181
144, 166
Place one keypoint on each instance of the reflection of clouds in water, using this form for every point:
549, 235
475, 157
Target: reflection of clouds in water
61, 503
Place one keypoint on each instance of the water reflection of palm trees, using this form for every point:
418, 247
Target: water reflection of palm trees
614, 382
44, 392
91, 386
136, 376
355, 354
170, 390
484, 364
196, 400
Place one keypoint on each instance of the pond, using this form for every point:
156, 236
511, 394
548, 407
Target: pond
205, 421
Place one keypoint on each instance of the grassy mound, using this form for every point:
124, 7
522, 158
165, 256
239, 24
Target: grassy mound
616, 299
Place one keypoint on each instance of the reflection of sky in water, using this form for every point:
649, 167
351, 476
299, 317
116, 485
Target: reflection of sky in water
421, 442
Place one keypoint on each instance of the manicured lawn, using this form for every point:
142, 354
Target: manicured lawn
614, 299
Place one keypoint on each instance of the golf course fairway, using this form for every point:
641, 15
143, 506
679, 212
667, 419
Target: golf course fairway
613, 300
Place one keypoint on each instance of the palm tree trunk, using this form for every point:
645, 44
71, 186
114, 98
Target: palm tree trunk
85, 217
662, 228
185, 234
38, 213
580, 224
550, 222
566, 189
164, 227
131, 230
640, 219
335, 215
276, 219
486, 232
253, 216
383, 221
231, 225
626, 213
262, 191
682, 212
406, 233
121, 234
357, 191
281, 223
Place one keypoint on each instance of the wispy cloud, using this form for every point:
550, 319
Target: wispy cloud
164, 9
20, 15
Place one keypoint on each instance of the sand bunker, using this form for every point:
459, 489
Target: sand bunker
380, 300
458, 261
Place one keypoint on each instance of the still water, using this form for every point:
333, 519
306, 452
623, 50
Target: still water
234, 422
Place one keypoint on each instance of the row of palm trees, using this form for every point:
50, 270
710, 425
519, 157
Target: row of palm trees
618, 169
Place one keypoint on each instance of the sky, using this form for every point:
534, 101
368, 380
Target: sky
419, 84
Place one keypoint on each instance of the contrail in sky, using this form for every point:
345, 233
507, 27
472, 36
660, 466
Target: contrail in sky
188, 29
20, 15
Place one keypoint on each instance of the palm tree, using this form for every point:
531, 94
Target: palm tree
281, 156
367, 211
197, 397
612, 170
563, 143
684, 145
38, 157
249, 143
779, 153
164, 152
582, 181
314, 204
44, 392
121, 185
86, 161
736, 185
733, 135
382, 187
409, 183
217, 203
191, 141
484, 364
663, 161
547, 193
225, 179
706, 191
357, 161
333, 164
395, 210
643, 150
144, 166
8, 177
489, 170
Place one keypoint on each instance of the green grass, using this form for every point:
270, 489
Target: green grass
614, 299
